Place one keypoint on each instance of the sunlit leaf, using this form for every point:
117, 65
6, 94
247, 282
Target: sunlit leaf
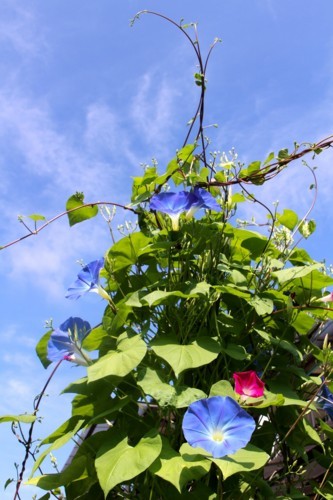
166, 394
183, 357
94, 339
285, 275
41, 349
245, 460
81, 214
36, 217
283, 154
179, 469
24, 418
126, 251
58, 443
118, 462
262, 305
289, 219
75, 471
161, 296
64, 428
269, 158
129, 353
222, 388
268, 399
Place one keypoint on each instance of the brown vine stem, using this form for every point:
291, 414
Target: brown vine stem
323, 481
196, 47
39, 229
305, 409
200, 111
273, 169
29, 440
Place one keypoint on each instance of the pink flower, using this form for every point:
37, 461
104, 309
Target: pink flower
327, 298
248, 384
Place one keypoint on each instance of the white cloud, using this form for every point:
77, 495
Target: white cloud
153, 108
16, 388
15, 359
45, 151
102, 129
11, 332
55, 163
46, 262
19, 28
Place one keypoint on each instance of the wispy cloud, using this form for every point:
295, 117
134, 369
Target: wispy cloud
9, 336
57, 163
102, 130
48, 261
145, 112
153, 108
19, 28
46, 152
15, 359
21, 388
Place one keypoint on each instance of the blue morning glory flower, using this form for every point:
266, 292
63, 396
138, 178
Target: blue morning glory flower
218, 425
88, 281
65, 341
174, 204
326, 401
203, 200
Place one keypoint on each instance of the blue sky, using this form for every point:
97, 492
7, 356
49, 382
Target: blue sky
85, 100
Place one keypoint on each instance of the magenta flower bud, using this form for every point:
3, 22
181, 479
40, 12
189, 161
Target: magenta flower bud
248, 384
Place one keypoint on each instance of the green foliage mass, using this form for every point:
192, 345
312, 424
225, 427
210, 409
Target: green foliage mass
191, 308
